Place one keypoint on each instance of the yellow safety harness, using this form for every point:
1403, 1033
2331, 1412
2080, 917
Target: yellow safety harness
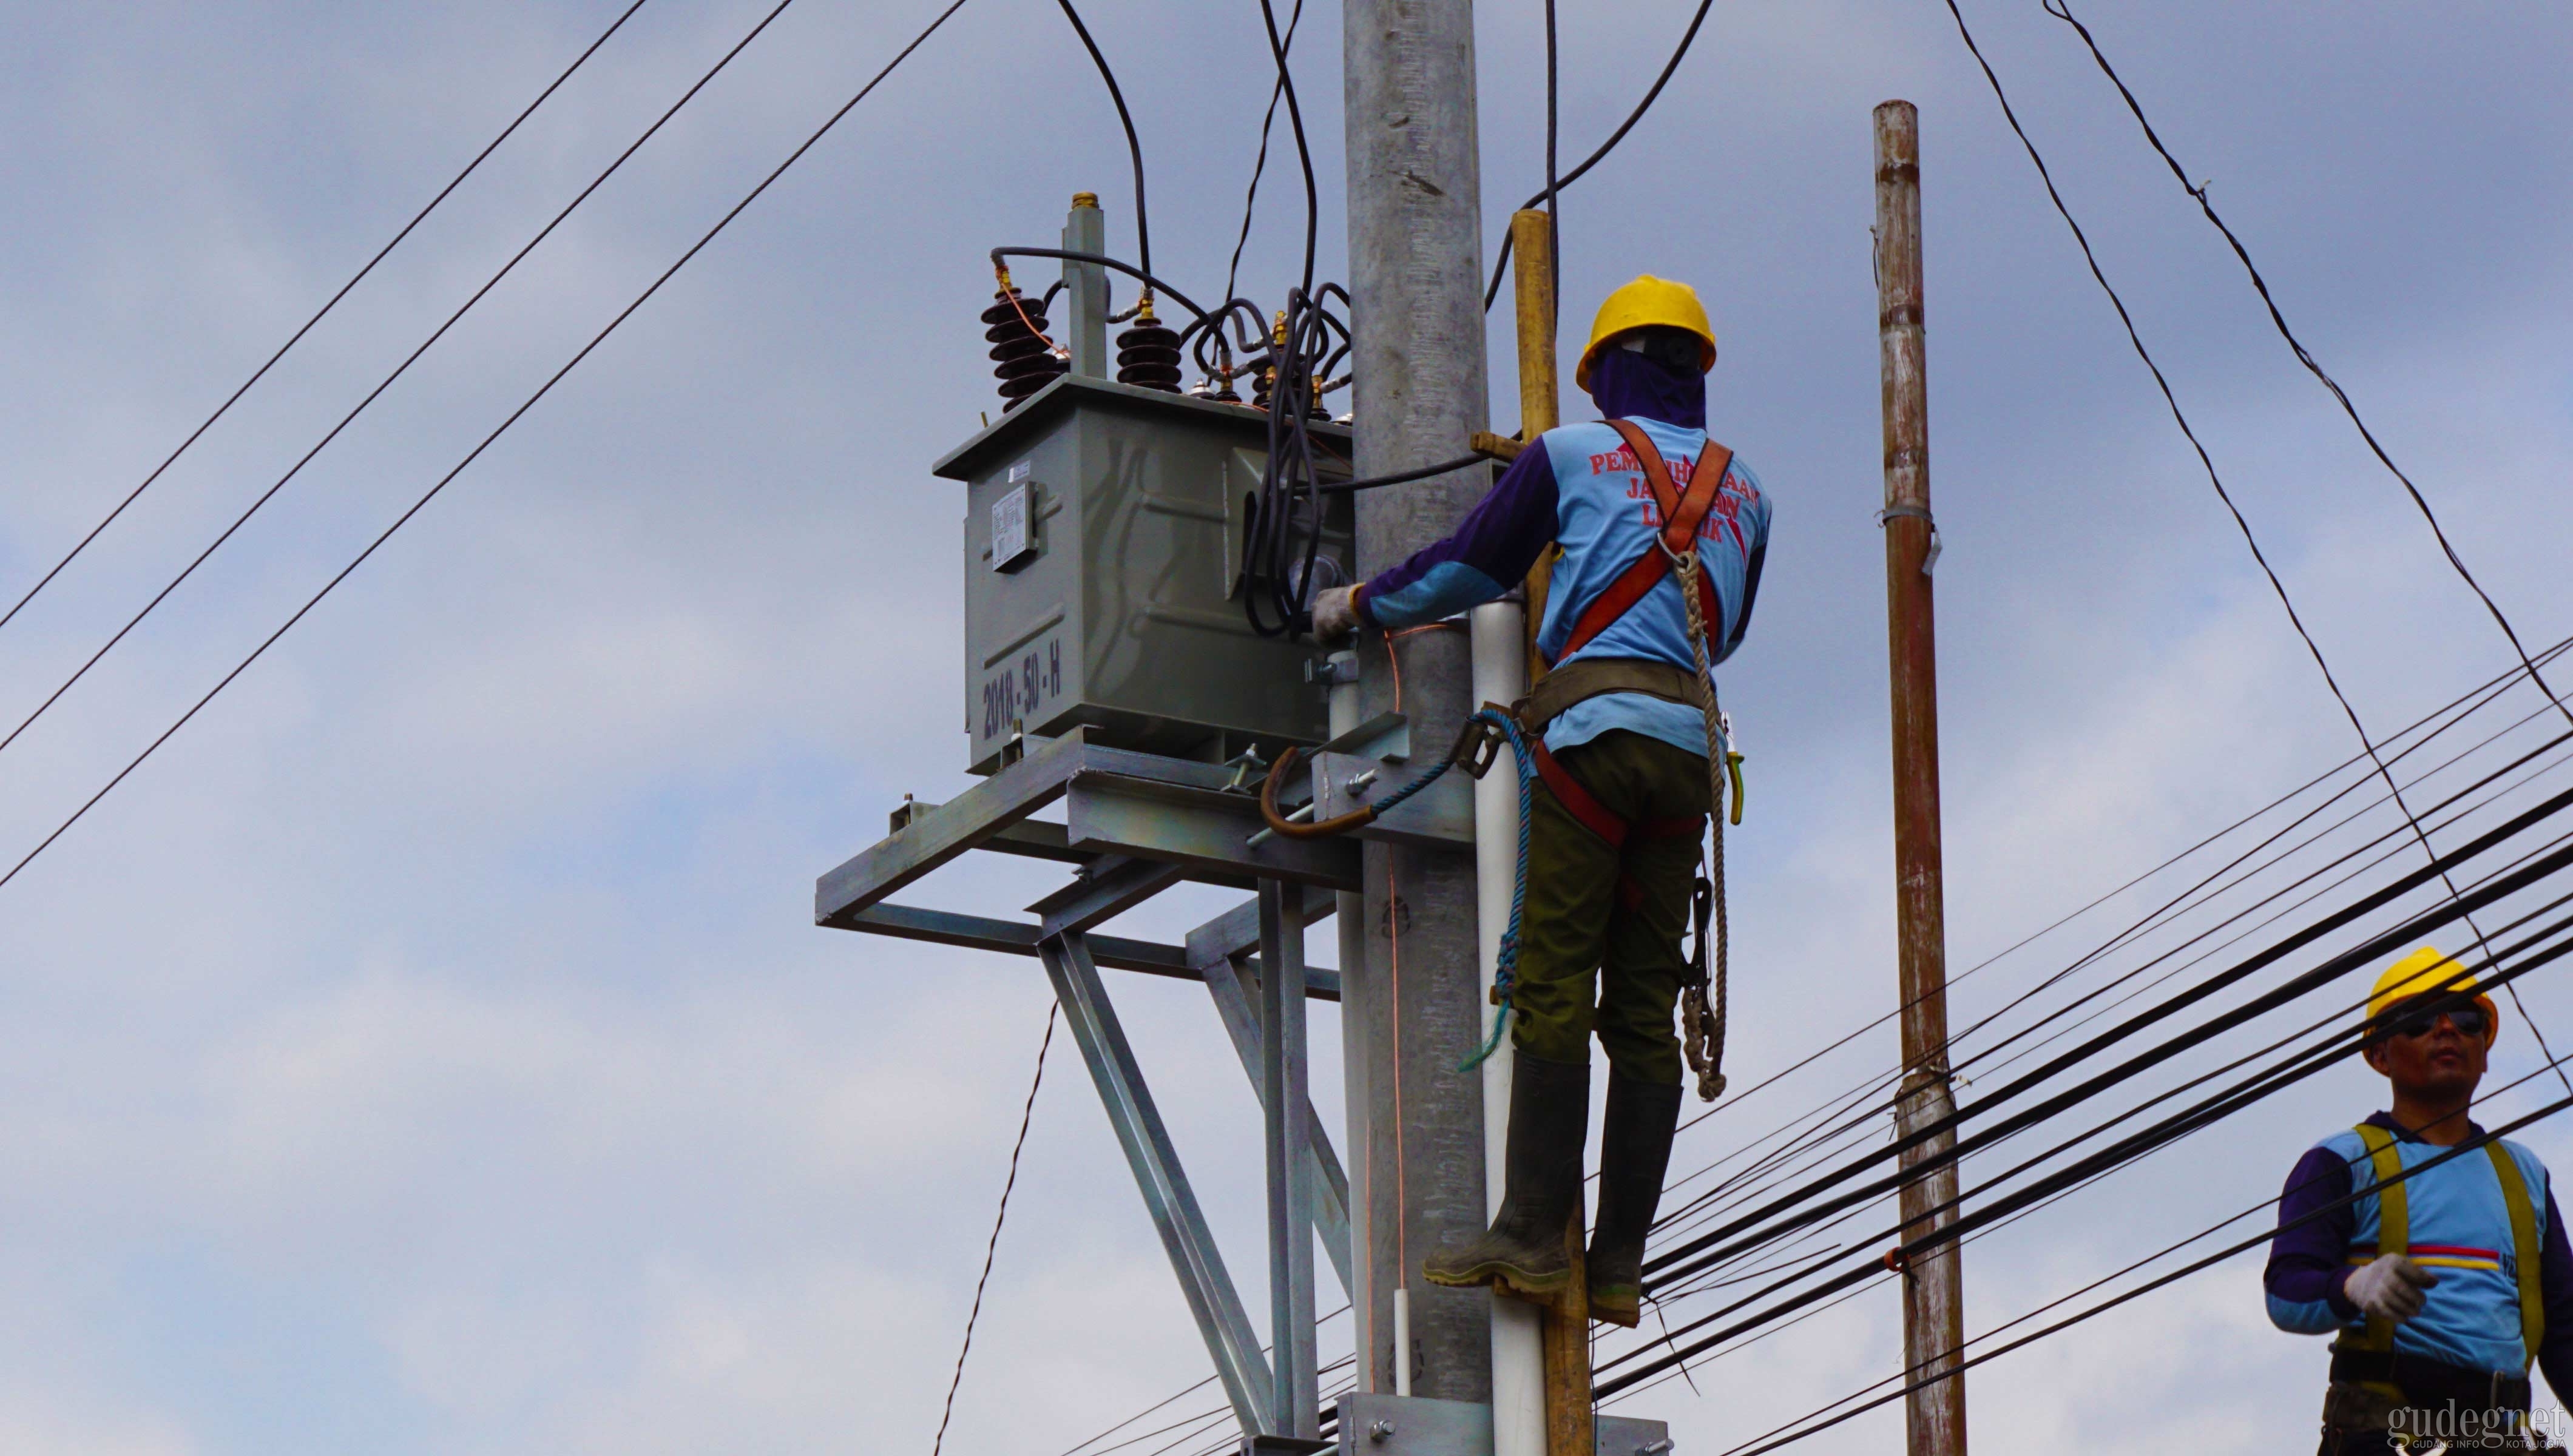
2395, 1235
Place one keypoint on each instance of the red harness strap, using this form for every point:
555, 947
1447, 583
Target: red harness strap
1682, 514
1596, 817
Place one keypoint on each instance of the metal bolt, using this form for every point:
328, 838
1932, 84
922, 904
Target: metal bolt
1358, 783
1381, 1432
1658, 1448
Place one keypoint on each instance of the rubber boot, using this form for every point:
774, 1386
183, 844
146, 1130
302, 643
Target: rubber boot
1524, 1250
1634, 1153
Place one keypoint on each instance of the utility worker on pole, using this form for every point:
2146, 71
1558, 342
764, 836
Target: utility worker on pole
2449, 1287
1620, 729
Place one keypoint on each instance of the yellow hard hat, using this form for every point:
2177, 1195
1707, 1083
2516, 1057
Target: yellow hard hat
1646, 301
2421, 973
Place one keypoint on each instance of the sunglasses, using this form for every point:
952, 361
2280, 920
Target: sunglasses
2469, 1020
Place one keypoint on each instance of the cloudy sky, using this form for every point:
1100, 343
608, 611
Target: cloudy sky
430, 1050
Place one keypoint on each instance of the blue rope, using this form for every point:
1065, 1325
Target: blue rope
1505, 965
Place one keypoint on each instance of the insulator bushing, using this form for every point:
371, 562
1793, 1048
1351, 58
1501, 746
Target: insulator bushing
1219, 388
1148, 355
1021, 359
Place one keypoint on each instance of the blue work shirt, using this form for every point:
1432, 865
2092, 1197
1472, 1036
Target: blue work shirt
1579, 487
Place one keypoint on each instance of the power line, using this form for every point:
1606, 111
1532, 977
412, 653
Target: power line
388, 381
2062, 10
2179, 416
1259, 164
328, 305
1000, 1216
1126, 119
1653, 93
497, 430
2469, 1145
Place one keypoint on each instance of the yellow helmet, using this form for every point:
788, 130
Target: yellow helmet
2421, 973
1646, 301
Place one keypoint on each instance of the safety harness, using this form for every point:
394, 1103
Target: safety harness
1522, 725
2370, 1357
1674, 551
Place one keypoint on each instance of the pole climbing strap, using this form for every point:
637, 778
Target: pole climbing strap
1681, 514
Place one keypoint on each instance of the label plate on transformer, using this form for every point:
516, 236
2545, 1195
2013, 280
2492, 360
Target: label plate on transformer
1013, 542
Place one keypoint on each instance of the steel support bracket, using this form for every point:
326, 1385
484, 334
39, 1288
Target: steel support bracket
1438, 817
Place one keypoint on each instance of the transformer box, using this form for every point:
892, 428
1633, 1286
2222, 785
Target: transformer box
1105, 533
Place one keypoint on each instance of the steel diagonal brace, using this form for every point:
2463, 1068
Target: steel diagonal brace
1230, 1337
1229, 980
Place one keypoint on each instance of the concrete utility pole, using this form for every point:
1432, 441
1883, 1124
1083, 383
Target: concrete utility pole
1413, 1009
1934, 1321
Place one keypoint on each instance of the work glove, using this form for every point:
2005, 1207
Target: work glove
1335, 614
2392, 1287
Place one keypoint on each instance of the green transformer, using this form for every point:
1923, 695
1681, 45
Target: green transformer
1105, 528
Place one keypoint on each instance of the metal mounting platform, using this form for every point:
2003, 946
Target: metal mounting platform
1404, 1425
1136, 823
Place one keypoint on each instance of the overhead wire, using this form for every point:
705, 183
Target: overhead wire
2181, 418
475, 454
1000, 1216
2224, 1104
2062, 10
319, 313
1840, 1107
1653, 93
2471, 1144
1126, 119
388, 380
1259, 164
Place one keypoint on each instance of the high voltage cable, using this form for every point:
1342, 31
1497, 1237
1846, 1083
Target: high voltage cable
1501, 261
1000, 1216
1259, 164
497, 430
2063, 11
2376, 945
1988, 961
2180, 418
319, 313
1126, 119
2300, 1066
1295, 124
388, 381
2469, 1145
1859, 1121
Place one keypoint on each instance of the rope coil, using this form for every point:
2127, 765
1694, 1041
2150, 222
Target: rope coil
1702, 1021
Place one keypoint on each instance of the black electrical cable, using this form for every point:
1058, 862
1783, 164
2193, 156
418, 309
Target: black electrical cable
2340, 965
1398, 477
1304, 152
1141, 274
2303, 1064
1854, 1125
388, 381
2471, 1144
1501, 262
1126, 119
1000, 1216
2062, 10
328, 305
475, 454
2179, 416
1259, 164
1696, 1252
2463, 706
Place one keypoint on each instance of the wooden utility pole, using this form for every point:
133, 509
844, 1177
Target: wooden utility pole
1571, 1427
1540, 395
1933, 1323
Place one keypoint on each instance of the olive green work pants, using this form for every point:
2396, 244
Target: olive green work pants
1593, 957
